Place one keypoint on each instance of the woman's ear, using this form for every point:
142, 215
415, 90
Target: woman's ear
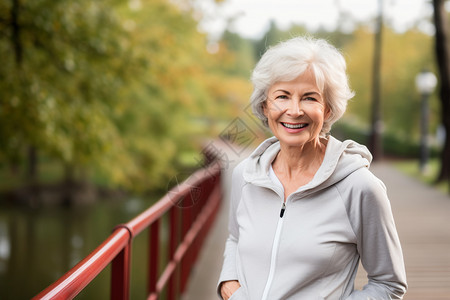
264, 106
327, 113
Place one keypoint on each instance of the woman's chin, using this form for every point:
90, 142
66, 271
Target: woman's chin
292, 141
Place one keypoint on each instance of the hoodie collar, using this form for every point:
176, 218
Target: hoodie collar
340, 160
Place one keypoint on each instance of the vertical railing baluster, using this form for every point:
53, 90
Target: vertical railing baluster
173, 244
120, 274
153, 256
186, 264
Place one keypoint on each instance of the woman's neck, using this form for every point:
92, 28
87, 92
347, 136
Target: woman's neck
305, 160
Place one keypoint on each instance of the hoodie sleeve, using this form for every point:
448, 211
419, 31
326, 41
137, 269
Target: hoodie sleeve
229, 270
378, 243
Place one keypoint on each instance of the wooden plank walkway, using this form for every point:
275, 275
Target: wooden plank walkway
422, 217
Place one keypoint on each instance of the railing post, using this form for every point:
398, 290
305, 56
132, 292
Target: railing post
173, 244
186, 262
120, 271
153, 260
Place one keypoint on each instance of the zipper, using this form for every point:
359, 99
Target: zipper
274, 252
283, 209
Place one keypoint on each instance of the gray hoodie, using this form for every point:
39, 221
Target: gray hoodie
312, 249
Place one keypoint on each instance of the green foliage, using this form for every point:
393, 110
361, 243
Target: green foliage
112, 90
275, 35
403, 57
243, 58
57, 92
394, 144
177, 97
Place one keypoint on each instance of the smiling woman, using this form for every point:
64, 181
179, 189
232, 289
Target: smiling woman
295, 110
305, 209
287, 61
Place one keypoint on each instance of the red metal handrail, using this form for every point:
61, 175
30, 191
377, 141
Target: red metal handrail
191, 207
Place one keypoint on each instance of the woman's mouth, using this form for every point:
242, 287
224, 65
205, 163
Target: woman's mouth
294, 125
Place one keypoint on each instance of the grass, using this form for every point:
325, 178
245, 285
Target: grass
411, 168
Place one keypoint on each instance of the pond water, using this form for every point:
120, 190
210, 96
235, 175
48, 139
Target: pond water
39, 246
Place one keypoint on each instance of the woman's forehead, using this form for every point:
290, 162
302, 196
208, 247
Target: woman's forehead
303, 79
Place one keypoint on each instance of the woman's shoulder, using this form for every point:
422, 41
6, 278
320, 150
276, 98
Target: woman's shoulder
238, 170
364, 196
364, 180
362, 186
237, 174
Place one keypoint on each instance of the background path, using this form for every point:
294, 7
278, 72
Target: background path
422, 215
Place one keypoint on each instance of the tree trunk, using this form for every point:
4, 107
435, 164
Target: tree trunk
15, 37
32, 161
442, 48
375, 142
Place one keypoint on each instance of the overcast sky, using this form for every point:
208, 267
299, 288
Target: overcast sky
252, 17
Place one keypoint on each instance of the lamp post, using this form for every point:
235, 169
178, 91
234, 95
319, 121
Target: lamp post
425, 82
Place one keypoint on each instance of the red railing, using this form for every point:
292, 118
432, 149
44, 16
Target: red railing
191, 208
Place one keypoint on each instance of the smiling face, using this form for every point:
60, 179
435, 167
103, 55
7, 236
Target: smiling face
296, 110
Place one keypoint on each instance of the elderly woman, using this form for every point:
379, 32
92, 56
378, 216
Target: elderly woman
305, 209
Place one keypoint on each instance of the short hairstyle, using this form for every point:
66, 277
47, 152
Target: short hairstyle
288, 60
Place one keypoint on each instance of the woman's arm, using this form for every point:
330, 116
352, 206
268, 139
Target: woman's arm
228, 281
229, 270
377, 242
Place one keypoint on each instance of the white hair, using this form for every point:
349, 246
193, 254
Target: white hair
288, 60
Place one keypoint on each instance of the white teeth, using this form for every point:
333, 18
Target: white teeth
294, 126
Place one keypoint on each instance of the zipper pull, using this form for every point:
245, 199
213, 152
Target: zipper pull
283, 208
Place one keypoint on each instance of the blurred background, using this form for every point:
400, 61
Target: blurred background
103, 102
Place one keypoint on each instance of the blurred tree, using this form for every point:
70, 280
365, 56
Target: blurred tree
271, 37
178, 99
243, 59
345, 26
112, 89
69, 61
275, 35
442, 48
406, 54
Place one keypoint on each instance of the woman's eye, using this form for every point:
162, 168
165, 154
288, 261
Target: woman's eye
310, 99
282, 97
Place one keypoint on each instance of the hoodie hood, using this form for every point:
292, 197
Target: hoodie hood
340, 160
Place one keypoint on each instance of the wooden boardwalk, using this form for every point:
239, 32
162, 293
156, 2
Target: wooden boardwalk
422, 216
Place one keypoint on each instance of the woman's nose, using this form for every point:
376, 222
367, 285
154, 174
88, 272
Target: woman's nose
294, 108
